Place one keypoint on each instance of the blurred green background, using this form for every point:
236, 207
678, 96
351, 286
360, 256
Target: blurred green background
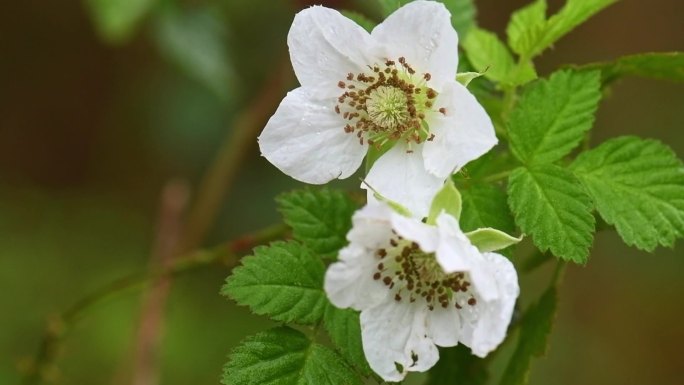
103, 102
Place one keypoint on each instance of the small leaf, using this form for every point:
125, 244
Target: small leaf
360, 19
284, 356
458, 365
637, 186
488, 239
344, 328
656, 65
117, 20
533, 340
490, 56
550, 204
525, 25
319, 218
552, 116
466, 77
283, 281
485, 206
447, 199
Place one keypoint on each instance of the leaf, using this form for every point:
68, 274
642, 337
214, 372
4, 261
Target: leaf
488, 239
458, 365
550, 204
490, 56
284, 356
360, 19
344, 328
637, 186
485, 206
463, 14
196, 41
389, 6
447, 199
283, 281
529, 37
553, 115
655, 65
319, 218
117, 20
466, 77
533, 339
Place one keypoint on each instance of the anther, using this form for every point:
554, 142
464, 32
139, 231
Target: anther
442, 110
376, 276
341, 84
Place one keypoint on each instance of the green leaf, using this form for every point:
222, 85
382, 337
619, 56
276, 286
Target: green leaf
490, 56
389, 6
655, 65
463, 14
553, 115
550, 204
196, 41
319, 218
284, 356
447, 199
529, 36
283, 281
466, 77
533, 339
488, 239
458, 365
117, 20
637, 186
344, 328
485, 206
360, 19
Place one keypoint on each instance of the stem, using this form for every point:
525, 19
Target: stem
58, 326
498, 176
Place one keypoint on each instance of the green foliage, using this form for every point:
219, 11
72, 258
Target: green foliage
553, 115
117, 20
458, 365
655, 65
637, 186
389, 6
488, 239
196, 41
447, 199
360, 19
284, 356
485, 206
530, 33
489, 55
319, 218
344, 328
533, 339
550, 204
283, 281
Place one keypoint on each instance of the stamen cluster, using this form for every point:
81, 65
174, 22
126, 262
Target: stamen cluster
389, 103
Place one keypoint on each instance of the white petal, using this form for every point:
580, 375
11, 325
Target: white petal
484, 325
412, 229
305, 139
324, 47
396, 332
421, 32
372, 227
444, 325
454, 252
349, 282
401, 177
465, 133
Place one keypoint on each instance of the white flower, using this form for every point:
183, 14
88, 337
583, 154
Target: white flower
418, 286
393, 91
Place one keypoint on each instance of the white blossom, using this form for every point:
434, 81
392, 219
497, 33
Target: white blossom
392, 91
420, 286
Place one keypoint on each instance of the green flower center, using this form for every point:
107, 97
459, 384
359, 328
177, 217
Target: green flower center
387, 104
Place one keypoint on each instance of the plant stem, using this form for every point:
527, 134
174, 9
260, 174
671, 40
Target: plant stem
498, 176
58, 326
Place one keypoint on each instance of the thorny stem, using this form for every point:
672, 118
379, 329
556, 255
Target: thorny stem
59, 325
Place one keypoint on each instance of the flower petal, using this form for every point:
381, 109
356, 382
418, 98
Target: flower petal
484, 326
324, 47
305, 139
417, 231
465, 133
396, 332
454, 251
421, 31
444, 325
372, 227
401, 177
349, 282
